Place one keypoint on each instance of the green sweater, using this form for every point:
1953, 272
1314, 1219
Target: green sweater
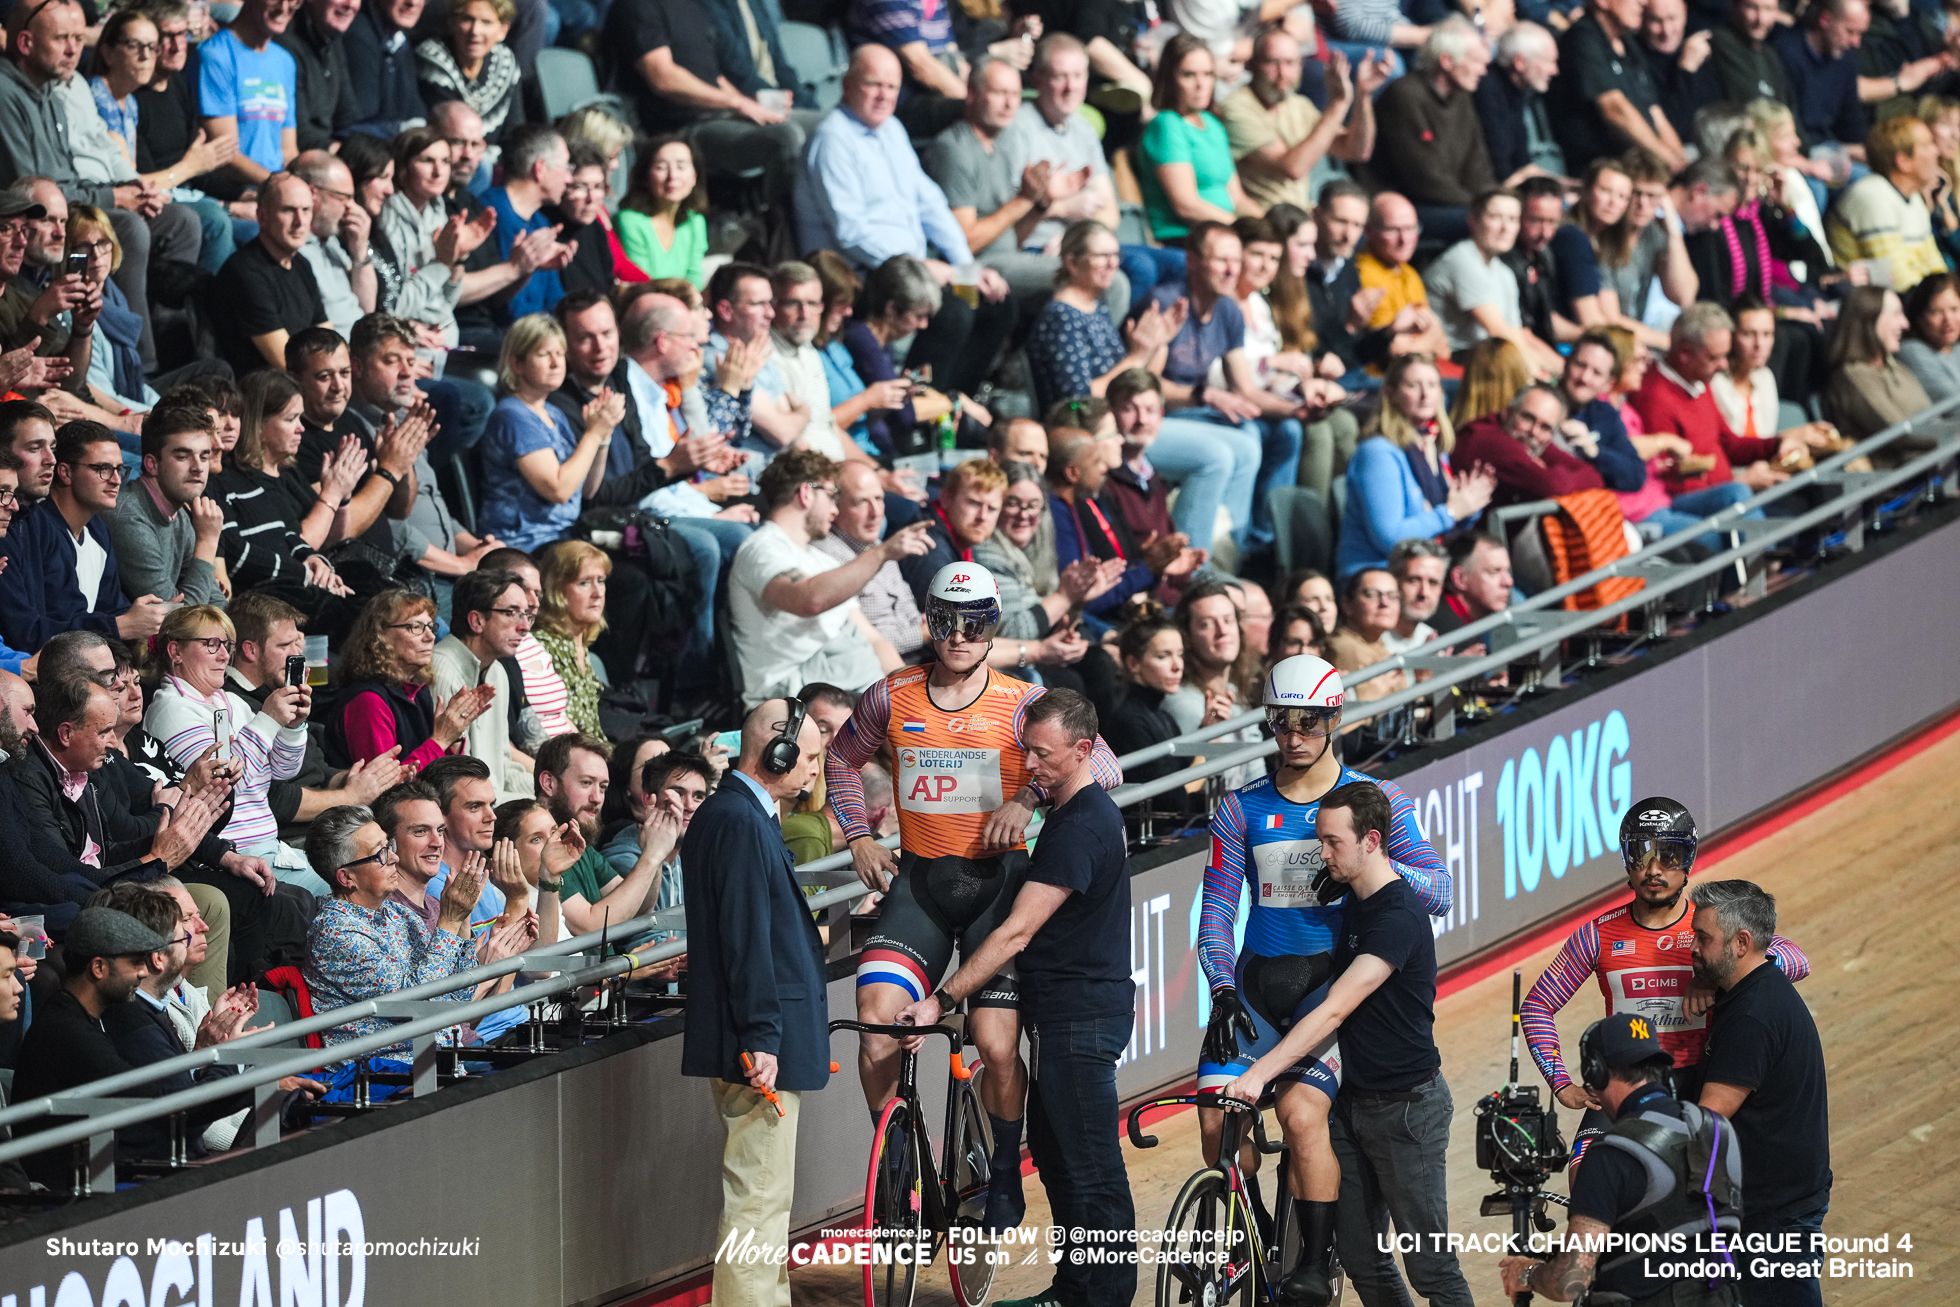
637, 238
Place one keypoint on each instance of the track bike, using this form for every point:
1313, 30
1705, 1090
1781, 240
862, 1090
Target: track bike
914, 1207
1213, 1248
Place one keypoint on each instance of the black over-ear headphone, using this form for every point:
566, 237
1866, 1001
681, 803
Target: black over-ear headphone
782, 754
1593, 1072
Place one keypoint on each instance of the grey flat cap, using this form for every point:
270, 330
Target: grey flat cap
107, 933
15, 205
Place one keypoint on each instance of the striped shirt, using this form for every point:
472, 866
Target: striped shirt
186, 721
261, 540
545, 688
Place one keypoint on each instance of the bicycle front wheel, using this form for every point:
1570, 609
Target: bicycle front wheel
969, 1164
1207, 1253
894, 1213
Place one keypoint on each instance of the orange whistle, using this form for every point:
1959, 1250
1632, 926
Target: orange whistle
833, 1068
748, 1064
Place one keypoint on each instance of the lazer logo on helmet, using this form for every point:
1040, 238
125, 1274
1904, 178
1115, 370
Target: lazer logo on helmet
1563, 808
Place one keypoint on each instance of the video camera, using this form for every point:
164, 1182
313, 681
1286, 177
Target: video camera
1519, 1144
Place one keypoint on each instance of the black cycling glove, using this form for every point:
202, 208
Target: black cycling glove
1229, 1019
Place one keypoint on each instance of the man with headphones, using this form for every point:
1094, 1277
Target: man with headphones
1641, 953
965, 791
757, 1015
1663, 1168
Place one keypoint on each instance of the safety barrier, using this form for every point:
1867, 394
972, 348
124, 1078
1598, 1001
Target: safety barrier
1535, 627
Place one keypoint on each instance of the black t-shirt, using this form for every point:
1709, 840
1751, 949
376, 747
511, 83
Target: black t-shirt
1077, 966
1611, 1184
315, 443
167, 120
260, 297
636, 27
1389, 1041
1762, 1038
1589, 67
480, 315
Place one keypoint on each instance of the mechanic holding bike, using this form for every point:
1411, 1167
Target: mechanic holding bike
964, 791
1069, 927
1391, 1124
1263, 838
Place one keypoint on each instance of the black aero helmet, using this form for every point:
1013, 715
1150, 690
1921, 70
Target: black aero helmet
1660, 826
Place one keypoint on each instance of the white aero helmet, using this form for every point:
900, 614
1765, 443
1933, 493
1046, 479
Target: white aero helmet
963, 597
1302, 692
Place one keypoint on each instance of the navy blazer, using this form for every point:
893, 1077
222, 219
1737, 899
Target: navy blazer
39, 593
755, 971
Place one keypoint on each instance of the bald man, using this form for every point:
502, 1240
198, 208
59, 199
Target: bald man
1393, 230
337, 251
861, 191
1019, 440
756, 1002
267, 287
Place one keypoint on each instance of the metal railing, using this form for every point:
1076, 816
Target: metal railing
426, 1014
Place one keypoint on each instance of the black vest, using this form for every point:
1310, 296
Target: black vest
415, 719
1675, 1144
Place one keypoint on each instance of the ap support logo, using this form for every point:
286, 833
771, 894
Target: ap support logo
1564, 807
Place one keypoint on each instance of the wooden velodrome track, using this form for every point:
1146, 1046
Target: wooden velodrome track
1860, 880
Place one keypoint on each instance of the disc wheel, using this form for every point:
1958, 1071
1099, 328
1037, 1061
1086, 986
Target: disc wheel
1207, 1250
893, 1212
969, 1246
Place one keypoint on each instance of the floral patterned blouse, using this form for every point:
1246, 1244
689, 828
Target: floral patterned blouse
575, 669
355, 953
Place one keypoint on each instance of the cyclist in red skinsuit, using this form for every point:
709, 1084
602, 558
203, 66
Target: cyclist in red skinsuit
1640, 953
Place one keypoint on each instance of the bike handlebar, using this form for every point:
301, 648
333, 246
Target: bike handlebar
952, 1026
1204, 1098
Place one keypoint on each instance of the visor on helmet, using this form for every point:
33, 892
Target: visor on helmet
1669, 850
975, 620
1311, 722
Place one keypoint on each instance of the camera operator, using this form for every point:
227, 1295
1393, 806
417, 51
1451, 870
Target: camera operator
1391, 1122
1624, 1064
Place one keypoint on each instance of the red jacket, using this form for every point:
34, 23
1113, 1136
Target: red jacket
1520, 477
1664, 406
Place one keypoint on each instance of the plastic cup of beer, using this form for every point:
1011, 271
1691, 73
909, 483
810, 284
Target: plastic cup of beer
316, 660
33, 932
966, 285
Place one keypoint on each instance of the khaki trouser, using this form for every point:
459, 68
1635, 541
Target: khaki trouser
758, 1177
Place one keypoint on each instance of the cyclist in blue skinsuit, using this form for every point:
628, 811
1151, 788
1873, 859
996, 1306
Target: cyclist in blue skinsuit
1262, 840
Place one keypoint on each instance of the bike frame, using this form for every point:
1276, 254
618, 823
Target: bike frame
939, 1200
1231, 1136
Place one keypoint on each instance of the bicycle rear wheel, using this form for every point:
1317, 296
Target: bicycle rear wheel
969, 1161
1207, 1251
894, 1215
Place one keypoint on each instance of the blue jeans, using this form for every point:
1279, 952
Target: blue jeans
1212, 461
1775, 1290
1356, 51
219, 243
1073, 1133
462, 411
1148, 266
713, 542
1279, 465
1692, 507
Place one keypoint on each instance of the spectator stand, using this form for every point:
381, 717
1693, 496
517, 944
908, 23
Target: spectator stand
1866, 504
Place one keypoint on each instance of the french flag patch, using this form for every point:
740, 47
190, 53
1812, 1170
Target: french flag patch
914, 724
1275, 820
1623, 946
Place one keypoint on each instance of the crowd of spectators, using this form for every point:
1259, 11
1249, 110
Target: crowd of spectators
400, 490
